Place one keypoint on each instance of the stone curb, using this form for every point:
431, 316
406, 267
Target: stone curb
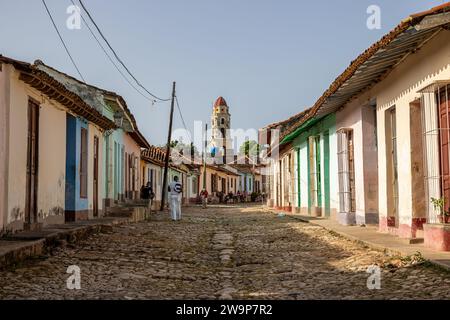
20, 250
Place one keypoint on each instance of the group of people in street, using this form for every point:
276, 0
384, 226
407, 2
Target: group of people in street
230, 197
175, 190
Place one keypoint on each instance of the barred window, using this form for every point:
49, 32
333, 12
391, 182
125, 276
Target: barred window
436, 136
314, 170
346, 171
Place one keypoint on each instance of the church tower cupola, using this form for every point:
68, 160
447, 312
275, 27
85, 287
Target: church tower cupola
220, 124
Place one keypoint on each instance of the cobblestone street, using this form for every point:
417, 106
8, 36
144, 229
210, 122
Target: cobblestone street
221, 253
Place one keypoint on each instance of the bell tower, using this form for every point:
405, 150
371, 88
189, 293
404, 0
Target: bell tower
220, 124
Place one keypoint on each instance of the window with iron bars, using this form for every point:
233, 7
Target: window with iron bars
346, 171
436, 136
314, 170
287, 180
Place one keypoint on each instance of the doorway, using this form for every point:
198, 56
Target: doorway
95, 200
31, 216
392, 168
346, 172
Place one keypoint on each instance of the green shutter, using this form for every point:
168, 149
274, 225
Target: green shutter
308, 151
298, 179
318, 172
326, 147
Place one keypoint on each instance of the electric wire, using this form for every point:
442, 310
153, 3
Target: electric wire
181, 116
111, 59
115, 54
62, 40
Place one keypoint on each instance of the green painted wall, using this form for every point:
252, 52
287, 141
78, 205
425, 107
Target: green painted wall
326, 162
113, 166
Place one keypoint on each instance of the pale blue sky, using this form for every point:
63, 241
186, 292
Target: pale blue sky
268, 58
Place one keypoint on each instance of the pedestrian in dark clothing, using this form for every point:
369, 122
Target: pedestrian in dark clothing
148, 194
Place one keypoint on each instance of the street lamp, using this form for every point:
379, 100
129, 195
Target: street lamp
118, 119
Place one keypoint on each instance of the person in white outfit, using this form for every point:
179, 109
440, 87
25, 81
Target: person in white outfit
175, 191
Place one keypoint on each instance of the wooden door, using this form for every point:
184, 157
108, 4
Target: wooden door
31, 216
95, 200
279, 182
394, 160
444, 133
224, 190
351, 166
126, 174
133, 175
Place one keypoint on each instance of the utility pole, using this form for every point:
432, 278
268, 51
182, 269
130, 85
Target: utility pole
204, 156
169, 138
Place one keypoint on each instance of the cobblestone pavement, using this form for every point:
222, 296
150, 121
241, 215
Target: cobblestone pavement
222, 253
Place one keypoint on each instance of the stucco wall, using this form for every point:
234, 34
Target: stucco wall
209, 171
5, 71
359, 116
334, 197
303, 176
52, 136
430, 63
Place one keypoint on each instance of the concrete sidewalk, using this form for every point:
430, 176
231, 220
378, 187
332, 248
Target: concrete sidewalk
26, 244
370, 236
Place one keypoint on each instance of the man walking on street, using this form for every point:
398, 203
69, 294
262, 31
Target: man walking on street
175, 191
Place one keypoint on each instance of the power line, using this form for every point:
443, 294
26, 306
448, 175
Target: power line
115, 54
111, 59
181, 115
62, 40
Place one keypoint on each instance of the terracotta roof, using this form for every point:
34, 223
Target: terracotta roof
222, 169
87, 92
154, 155
285, 125
385, 61
55, 90
220, 102
82, 100
157, 156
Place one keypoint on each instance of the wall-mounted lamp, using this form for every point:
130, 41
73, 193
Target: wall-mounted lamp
118, 119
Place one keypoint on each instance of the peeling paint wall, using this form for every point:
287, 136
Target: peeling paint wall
52, 142
88, 94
